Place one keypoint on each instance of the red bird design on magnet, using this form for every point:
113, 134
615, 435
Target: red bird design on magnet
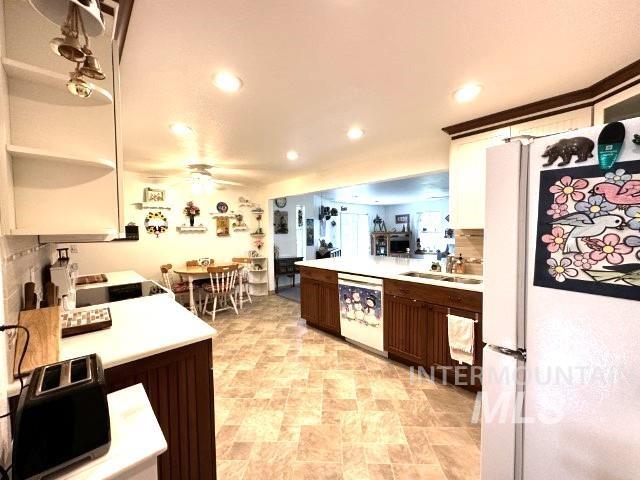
626, 194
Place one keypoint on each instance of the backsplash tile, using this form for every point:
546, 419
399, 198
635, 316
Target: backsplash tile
470, 244
17, 256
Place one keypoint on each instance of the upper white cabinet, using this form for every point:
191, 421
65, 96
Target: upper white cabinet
562, 122
467, 162
60, 158
623, 105
467, 177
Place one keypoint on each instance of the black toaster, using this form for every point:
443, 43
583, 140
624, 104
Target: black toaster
62, 418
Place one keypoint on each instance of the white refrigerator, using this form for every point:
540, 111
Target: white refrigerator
561, 314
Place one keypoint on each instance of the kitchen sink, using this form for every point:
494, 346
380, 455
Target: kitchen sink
442, 278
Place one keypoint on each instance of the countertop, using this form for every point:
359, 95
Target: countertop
141, 327
390, 268
114, 278
136, 438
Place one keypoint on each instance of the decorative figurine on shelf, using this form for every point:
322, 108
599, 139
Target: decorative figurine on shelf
378, 224
258, 243
192, 212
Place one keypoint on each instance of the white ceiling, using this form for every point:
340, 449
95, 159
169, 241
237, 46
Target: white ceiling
312, 68
393, 192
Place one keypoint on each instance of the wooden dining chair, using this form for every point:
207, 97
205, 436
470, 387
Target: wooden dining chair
242, 288
221, 287
173, 282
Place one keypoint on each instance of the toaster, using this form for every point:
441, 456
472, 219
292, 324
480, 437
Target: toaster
62, 418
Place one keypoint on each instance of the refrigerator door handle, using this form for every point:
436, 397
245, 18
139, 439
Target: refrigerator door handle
519, 354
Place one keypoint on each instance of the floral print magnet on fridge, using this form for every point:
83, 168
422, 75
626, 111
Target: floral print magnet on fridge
588, 232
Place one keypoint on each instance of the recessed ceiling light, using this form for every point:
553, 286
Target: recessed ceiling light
227, 82
355, 133
181, 129
292, 155
467, 92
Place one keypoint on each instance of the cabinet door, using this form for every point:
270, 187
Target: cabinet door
467, 177
405, 328
329, 307
620, 106
438, 347
309, 305
562, 122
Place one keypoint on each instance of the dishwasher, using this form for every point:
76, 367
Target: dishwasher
361, 311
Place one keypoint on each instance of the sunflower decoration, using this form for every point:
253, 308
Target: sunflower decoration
156, 223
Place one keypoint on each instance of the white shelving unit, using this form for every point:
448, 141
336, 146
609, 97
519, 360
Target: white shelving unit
259, 278
27, 153
57, 82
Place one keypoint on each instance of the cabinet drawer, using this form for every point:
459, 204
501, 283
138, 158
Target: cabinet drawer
319, 274
450, 297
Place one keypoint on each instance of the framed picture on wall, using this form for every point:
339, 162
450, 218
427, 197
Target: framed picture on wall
153, 195
281, 222
402, 219
310, 236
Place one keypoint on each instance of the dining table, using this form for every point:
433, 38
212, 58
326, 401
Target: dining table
194, 272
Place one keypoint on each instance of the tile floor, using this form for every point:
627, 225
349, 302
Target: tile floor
294, 403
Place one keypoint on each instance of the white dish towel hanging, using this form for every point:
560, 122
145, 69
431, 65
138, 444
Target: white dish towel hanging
461, 338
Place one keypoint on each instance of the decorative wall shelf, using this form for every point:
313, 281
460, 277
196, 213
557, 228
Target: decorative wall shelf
257, 211
194, 229
28, 153
223, 215
62, 231
153, 205
257, 235
57, 82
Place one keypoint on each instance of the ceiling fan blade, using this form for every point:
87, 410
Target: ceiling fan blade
227, 182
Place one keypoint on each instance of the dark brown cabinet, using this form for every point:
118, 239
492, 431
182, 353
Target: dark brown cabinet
416, 328
405, 328
438, 356
319, 304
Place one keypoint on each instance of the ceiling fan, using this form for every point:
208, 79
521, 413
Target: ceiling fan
198, 175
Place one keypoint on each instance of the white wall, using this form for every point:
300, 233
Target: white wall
414, 209
287, 243
414, 158
146, 255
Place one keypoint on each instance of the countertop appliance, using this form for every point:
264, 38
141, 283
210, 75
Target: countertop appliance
560, 310
62, 275
86, 297
361, 311
62, 418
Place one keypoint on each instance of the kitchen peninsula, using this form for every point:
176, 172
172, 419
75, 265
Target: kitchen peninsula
155, 341
416, 304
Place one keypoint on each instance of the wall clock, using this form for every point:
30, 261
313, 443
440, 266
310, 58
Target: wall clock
281, 202
222, 207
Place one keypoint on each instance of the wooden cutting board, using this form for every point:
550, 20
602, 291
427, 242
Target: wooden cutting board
44, 342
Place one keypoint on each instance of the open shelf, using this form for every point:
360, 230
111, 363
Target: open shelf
62, 231
153, 205
194, 229
28, 153
57, 82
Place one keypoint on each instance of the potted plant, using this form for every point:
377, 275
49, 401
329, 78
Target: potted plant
192, 212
